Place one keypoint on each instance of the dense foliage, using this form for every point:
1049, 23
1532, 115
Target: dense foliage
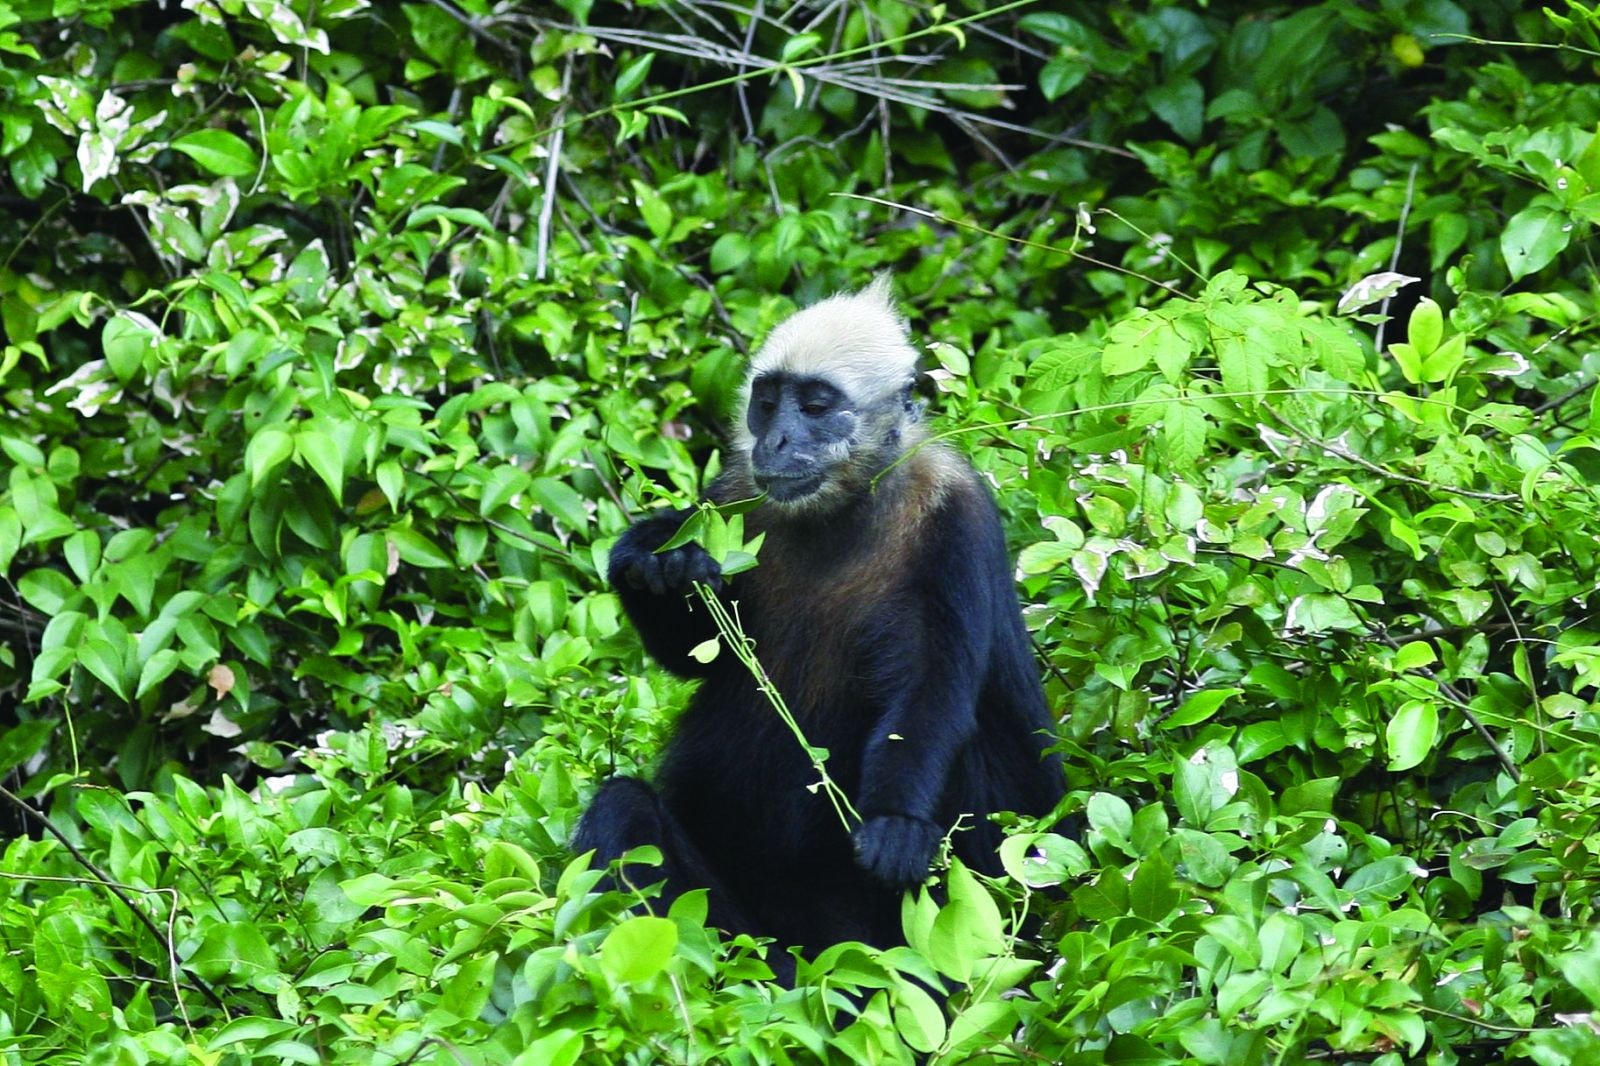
342, 339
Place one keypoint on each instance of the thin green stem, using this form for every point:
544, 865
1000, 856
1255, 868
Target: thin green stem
739, 643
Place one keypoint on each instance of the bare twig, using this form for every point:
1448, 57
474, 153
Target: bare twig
1394, 260
547, 204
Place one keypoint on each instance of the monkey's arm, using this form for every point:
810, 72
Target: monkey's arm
657, 590
933, 678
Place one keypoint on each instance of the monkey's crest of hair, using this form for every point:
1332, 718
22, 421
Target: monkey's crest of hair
856, 340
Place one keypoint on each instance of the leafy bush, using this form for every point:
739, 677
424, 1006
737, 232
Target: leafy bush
341, 341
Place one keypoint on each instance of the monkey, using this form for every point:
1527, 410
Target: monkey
884, 612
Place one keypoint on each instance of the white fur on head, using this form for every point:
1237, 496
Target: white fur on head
855, 340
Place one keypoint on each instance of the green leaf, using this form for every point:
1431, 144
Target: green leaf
82, 551
269, 449
48, 590
1130, 345
1411, 733
632, 76
1152, 894
731, 251
156, 669
1200, 706
224, 154
416, 549
638, 949
560, 500
1062, 74
1581, 967
126, 340
104, 660
235, 952
320, 452
918, 1017
1183, 434
1415, 655
1181, 104
1533, 238
1443, 363
1381, 881
20, 743
1111, 815
653, 209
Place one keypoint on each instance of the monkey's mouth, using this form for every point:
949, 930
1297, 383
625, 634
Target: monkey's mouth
788, 488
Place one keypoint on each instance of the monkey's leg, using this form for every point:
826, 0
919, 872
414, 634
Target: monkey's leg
628, 813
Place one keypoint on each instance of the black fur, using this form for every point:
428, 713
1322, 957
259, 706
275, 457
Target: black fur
891, 626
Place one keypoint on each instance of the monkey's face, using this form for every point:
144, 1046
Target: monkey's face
802, 431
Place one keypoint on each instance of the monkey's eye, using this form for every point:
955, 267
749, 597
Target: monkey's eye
766, 405
814, 408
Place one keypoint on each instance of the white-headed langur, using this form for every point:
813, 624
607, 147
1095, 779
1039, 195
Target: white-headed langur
883, 610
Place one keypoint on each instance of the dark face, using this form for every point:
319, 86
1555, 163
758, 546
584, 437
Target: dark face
803, 429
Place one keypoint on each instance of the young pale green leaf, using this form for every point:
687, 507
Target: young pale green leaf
1415, 655
1130, 345
1442, 364
1411, 733
1426, 328
638, 949
1408, 360
984, 924
560, 1047
799, 45
918, 1017
1183, 433
392, 481
730, 252
224, 154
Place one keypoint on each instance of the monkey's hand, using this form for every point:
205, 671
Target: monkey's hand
663, 572
897, 850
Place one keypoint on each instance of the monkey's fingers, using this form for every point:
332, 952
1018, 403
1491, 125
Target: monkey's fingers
706, 570
896, 850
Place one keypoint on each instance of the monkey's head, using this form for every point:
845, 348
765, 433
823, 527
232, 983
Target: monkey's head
827, 403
